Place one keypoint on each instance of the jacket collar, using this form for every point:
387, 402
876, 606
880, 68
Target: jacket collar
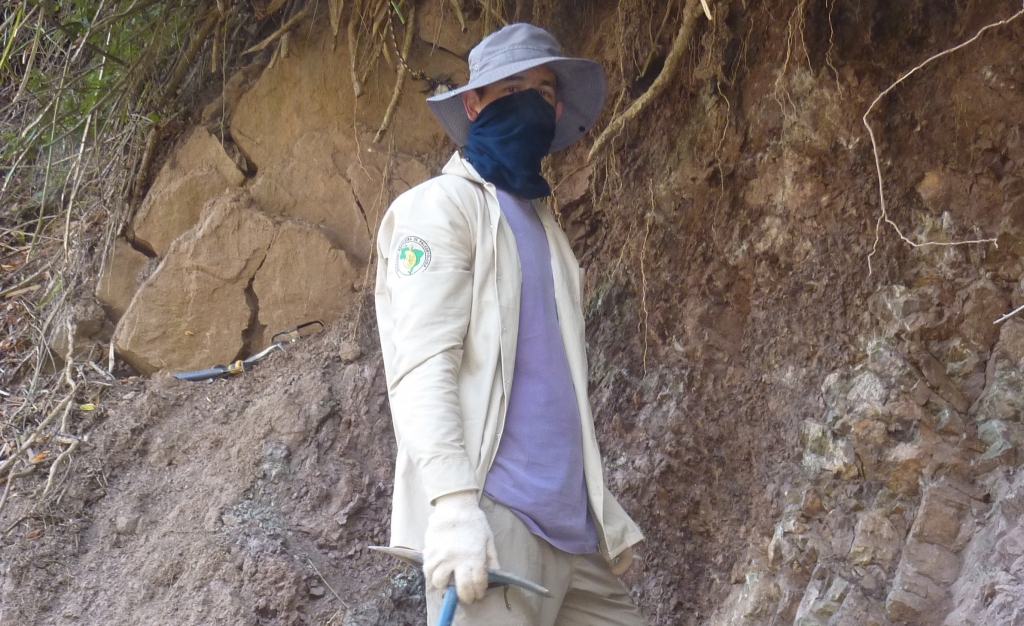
459, 166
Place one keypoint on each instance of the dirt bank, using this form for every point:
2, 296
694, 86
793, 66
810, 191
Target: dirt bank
802, 436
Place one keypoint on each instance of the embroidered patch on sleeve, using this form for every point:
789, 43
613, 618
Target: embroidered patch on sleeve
413, 256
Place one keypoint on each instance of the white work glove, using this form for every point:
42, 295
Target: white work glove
459, 541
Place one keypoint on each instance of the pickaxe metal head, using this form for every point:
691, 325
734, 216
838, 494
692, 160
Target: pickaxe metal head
497, 577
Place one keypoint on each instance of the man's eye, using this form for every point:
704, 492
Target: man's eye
511, 89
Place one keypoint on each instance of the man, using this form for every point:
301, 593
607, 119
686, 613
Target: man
479, 309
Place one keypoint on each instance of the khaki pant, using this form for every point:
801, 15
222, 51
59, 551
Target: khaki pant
585, 592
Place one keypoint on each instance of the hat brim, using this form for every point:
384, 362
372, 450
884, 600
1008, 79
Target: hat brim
581, 90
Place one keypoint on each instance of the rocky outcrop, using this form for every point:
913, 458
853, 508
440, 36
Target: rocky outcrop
195, 173
320, 187
923, 443
227, 286
191, 312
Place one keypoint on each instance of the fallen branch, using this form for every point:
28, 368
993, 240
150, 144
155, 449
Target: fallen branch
181, 69
147, 159
672, 61
74, 441
884, 216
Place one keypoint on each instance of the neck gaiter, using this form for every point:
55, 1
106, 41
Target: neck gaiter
508, 140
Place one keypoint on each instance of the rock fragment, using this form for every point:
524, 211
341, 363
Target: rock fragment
941, 515
825, 451
875, 540
126, 524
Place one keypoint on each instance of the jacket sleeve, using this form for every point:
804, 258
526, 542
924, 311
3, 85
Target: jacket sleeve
426, 248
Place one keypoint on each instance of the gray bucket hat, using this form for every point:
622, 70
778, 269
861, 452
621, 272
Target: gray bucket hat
518, 47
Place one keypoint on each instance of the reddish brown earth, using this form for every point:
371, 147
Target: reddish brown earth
780, 418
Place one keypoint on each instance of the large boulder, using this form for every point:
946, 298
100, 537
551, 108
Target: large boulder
303, 278
195, 173
191, 312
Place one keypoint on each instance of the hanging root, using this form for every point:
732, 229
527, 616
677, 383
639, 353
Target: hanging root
883, 216
795, 24
645, 322
672, 62
831, 46
403, 71
353, 49
280, 32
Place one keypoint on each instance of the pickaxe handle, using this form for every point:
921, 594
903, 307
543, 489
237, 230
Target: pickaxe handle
451, 598
448, 604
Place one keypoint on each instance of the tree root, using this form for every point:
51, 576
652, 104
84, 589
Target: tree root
672, 62
883, 216
280, 32
403, 71
353, 50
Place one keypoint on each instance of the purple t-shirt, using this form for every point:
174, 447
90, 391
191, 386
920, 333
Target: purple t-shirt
538, 470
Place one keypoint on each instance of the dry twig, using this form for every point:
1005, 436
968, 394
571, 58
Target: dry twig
64, 406
324, 581
884, 215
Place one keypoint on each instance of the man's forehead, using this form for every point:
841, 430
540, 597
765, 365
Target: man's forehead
546, 75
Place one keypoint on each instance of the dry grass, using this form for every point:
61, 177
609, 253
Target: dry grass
79, 92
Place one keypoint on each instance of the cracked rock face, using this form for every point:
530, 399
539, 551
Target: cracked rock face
190, 314
309, 184
196, 172
227, 286
302, 279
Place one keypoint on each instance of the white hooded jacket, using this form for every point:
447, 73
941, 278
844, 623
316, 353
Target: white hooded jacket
447, 296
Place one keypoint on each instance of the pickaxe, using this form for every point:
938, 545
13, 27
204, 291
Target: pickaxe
451, 598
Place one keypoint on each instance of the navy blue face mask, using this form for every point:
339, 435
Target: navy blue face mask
509, 138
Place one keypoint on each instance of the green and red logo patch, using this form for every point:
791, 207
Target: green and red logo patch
413, 256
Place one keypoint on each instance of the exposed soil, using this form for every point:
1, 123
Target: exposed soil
726, 240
